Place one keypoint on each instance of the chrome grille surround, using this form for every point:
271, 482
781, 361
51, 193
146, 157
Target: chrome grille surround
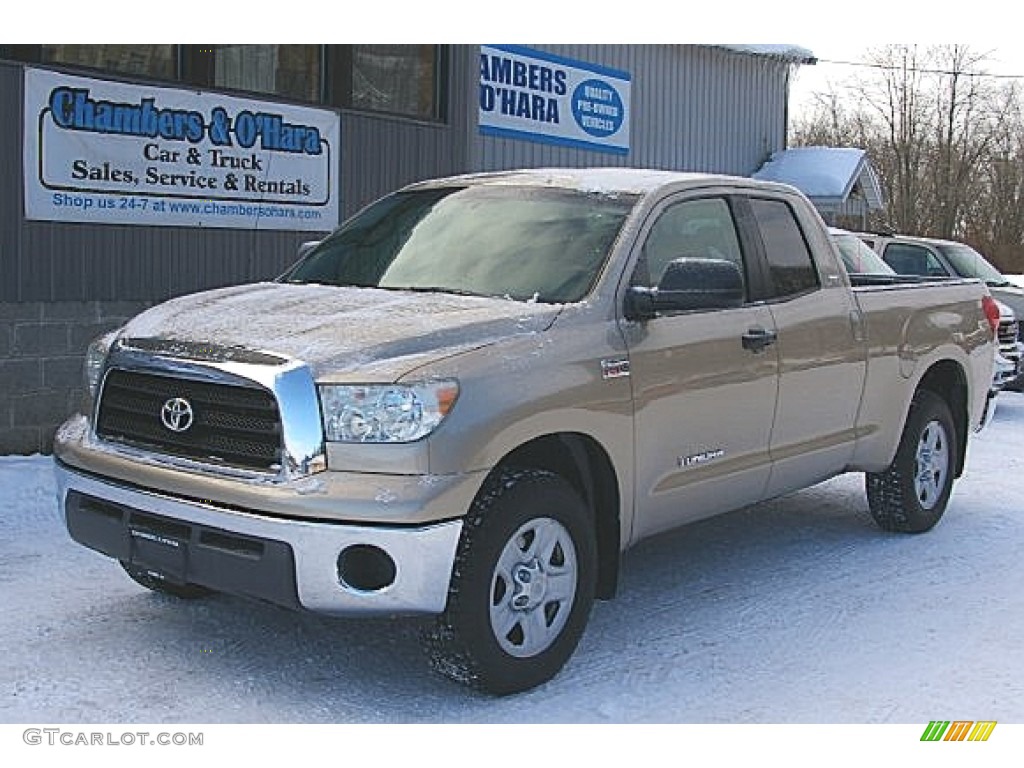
285, 412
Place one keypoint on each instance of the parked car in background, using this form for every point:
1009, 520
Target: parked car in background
856, 254
866, 266
931, 257
1010, 351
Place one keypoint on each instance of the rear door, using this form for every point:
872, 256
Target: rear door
821, 349
704, 401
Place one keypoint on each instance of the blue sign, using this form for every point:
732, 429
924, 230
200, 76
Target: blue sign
537, 96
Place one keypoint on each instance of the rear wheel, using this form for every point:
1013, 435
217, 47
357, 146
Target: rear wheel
911, 494
151, 580
522, 586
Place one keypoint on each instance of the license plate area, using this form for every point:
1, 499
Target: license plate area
159, 545
185, 552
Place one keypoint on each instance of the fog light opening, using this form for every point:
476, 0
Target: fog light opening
366, 568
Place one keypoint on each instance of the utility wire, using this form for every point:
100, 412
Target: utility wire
922, 70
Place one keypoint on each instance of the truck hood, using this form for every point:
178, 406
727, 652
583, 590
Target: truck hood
336, 330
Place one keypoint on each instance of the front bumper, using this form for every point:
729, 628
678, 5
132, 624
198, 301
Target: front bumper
199, 541
1007, 370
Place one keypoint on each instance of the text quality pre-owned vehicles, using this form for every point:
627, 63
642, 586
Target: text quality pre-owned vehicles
479, 391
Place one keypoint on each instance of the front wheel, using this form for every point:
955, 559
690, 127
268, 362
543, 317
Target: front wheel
522, 586
911, 494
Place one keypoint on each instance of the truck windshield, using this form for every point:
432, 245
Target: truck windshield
524, 243
969, 263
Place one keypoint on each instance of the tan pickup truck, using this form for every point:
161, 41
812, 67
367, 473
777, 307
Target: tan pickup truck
472, 397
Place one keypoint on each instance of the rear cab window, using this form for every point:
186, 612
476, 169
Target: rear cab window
791, 270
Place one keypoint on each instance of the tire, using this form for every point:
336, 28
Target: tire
522, 586
149, 581
911, 495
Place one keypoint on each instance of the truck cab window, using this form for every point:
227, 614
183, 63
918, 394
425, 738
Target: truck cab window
790, 266
696, 229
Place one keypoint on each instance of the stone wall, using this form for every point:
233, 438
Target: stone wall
42, 349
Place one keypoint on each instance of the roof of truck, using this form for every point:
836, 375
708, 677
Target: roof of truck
597, 180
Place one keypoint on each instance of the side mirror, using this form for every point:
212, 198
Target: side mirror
306, 247
688, 284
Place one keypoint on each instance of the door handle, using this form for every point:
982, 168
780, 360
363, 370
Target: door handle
756, 339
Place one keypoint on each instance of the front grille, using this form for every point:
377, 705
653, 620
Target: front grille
233, 425
1008, 332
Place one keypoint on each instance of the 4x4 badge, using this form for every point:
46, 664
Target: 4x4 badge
177, 414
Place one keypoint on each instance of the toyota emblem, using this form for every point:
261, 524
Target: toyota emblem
177, 414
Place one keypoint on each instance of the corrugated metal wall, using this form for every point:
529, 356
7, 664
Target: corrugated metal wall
55, 261
695, 108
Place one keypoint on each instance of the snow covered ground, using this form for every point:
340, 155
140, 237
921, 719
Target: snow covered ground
797, 610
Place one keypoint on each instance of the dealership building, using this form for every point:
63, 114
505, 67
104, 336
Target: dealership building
133, 173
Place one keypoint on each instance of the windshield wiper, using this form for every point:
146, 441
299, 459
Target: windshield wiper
436, 289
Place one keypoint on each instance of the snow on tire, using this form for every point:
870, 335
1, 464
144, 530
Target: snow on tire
522, 586
911, 494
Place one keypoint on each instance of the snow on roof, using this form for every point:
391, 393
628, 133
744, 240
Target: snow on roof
600, 180
825, 174
793, 54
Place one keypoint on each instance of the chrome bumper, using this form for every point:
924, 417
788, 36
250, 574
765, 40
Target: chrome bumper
1006, 370
423, 556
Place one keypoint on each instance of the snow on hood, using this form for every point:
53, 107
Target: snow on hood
340, 328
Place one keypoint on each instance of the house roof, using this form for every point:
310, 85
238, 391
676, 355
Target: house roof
827, 175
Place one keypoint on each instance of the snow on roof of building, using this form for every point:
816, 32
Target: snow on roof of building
793, 54
827, 175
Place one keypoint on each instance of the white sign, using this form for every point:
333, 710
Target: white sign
118, 153
537, 96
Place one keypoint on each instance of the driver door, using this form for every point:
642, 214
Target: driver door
704, 394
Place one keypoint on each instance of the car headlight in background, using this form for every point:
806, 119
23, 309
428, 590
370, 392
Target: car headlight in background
386, 413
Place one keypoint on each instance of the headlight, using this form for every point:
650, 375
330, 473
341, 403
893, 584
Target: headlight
388, 413
95, 357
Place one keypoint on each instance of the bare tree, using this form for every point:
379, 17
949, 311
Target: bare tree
995, 218
966, 115
946, 140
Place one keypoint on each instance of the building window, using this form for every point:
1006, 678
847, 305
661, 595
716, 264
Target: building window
157, 61
401, 79
292, 71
